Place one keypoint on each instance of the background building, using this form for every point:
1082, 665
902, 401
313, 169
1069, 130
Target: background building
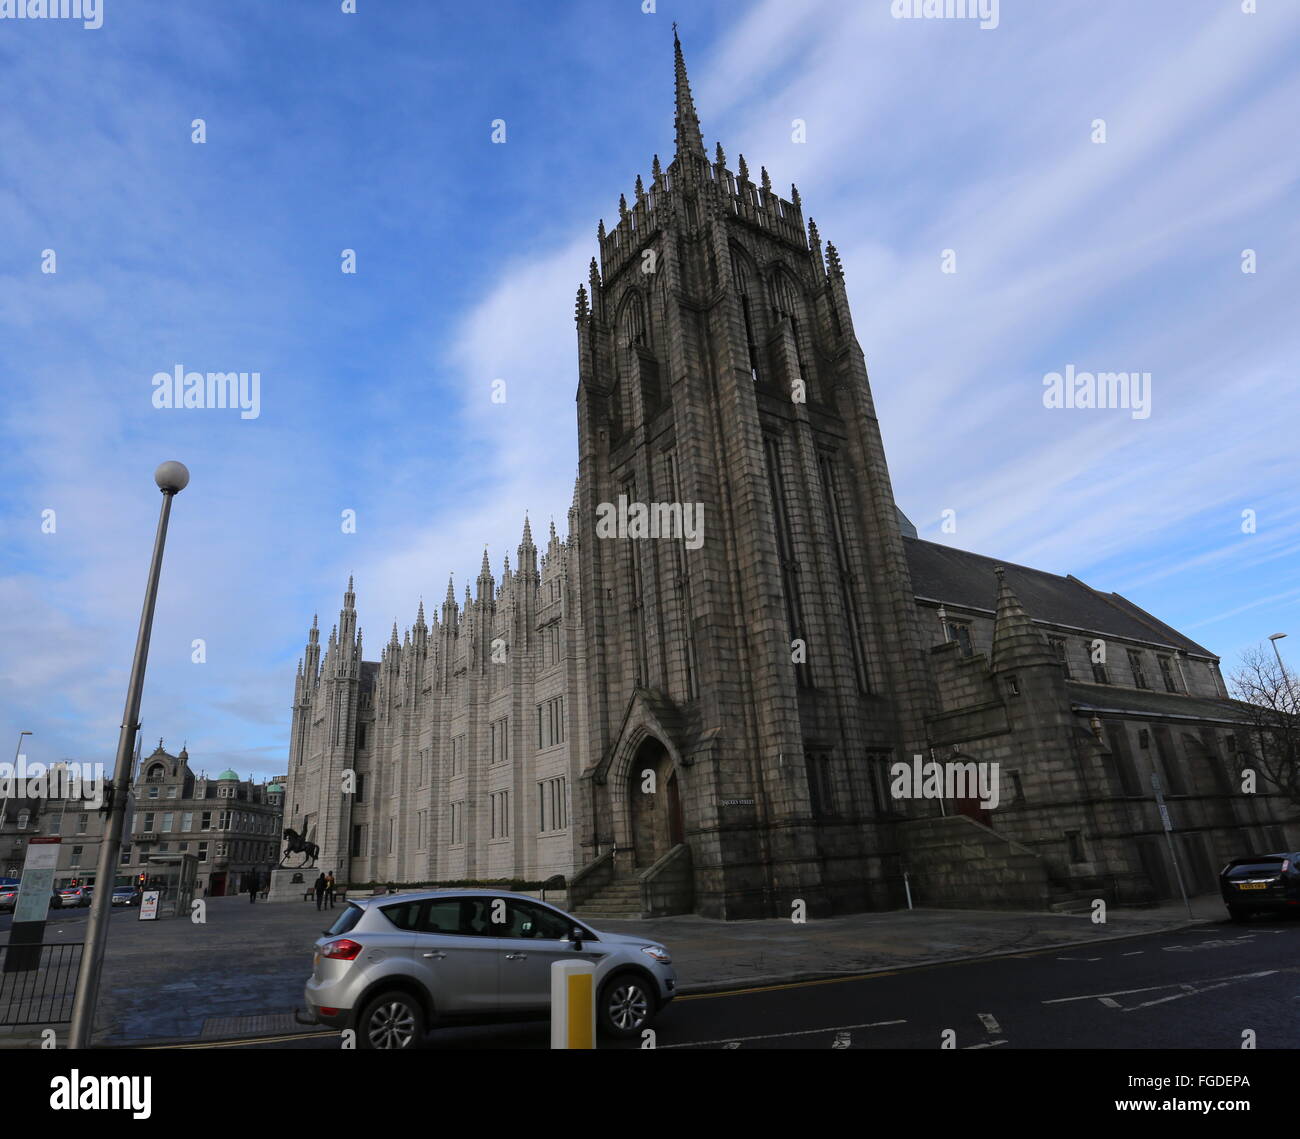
232, 826
78, 823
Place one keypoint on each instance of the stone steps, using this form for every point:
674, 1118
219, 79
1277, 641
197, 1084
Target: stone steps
619, 899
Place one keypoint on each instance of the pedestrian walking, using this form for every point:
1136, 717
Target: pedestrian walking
329, 888
252, 888
320, 889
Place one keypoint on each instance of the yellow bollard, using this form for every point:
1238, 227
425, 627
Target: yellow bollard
573, 1004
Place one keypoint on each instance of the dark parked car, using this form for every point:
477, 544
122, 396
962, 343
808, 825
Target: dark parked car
1261, 883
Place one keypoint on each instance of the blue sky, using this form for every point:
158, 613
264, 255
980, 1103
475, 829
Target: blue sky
328, 131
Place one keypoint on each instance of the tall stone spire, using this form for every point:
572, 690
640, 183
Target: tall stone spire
449, 605
527, 553
689, 138
485, 582
348, 627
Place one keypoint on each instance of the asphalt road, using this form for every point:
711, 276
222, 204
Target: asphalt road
1202, 988
68, 919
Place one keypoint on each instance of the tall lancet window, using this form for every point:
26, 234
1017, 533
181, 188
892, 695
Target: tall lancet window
632, 322
787, 301
743, 276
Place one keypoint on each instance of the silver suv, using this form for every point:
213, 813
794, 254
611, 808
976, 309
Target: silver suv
393, 966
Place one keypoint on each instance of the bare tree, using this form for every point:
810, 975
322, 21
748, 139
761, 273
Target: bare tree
1266, 694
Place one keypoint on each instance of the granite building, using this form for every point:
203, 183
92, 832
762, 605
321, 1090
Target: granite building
699, 708
461, 746
231, 826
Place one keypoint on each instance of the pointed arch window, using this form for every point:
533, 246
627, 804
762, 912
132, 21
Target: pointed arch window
744, 279
786, 301
632, 320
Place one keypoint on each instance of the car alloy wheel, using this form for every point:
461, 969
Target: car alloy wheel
392, 1023
627, 1005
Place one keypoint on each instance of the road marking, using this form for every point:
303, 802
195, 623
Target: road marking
735, 1042
1135, 953
1237, 941
1157, 988
1179, 996
989, 1022
990, 1044
842, 1040
1110, 1003
872, 976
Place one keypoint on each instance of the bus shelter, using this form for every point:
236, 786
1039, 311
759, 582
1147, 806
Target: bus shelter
173, 876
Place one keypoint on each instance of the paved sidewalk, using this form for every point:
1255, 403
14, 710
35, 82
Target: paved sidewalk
713, 955
242, 973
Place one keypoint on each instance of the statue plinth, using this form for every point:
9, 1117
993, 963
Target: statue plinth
290, 883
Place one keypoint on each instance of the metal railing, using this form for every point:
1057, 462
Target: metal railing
38, 982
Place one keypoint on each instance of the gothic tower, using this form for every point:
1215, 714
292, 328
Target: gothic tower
747, 680
324, 739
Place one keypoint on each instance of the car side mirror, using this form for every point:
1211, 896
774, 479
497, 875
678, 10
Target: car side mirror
575, 936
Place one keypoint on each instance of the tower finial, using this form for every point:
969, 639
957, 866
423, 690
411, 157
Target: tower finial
689, 139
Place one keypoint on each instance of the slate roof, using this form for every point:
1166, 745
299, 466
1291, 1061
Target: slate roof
1149, 703
958, 577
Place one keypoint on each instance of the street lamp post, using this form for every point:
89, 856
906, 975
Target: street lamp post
172, 478
1293, 711
1286, 676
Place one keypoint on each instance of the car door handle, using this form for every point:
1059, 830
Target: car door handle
516, 956
438, 954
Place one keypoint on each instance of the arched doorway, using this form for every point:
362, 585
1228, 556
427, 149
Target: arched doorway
654, 797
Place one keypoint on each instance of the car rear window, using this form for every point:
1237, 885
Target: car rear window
346, 920
404, 915
1256, 866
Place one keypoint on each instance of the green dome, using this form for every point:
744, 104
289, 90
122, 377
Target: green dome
227, 774
274, 789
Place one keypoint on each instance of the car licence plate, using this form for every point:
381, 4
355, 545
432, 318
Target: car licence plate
1252, 885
